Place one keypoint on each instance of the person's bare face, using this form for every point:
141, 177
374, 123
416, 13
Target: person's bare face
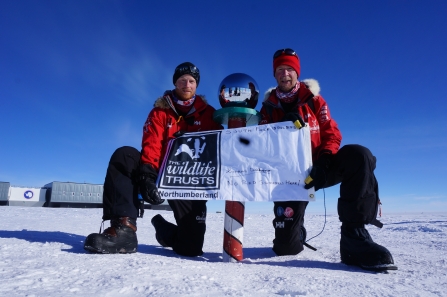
286, 77
185, 87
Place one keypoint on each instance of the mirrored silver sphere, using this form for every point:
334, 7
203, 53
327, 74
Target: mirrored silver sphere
238, 89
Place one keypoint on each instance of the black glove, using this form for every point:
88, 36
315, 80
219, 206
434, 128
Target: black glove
296, 119
146, 183
318, 175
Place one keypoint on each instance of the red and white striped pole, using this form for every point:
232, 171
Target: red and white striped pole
234, 216
233, 231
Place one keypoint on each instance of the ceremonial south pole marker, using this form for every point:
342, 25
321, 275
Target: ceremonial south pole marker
235, 117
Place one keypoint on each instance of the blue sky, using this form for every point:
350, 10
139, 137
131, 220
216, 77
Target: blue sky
78, 78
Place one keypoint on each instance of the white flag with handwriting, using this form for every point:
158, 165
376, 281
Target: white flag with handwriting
256, 163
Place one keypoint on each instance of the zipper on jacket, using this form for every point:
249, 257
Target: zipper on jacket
168, 126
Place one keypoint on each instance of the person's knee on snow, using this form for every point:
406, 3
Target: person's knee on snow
190, 216
289, 219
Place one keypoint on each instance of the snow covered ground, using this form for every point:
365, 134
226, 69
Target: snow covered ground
41, 252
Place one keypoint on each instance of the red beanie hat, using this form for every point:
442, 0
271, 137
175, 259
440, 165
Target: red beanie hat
289, 60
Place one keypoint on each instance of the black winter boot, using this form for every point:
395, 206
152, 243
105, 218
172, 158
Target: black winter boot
164, 231
358, 248
120, 237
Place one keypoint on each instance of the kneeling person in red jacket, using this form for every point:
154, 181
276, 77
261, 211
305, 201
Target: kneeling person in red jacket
131, 172
351, 165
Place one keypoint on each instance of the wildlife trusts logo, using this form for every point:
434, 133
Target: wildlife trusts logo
193, 162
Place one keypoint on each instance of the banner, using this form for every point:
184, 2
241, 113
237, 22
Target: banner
256, 163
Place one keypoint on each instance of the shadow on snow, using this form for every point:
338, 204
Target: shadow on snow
77, 246
75, 241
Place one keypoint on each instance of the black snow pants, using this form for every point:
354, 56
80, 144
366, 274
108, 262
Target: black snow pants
353, 167
120, 199
189, 235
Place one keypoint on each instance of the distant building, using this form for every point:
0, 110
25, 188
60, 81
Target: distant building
22, 196
69, 194
59, 194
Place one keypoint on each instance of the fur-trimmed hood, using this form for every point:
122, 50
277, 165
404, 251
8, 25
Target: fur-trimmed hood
311, 83
163, 102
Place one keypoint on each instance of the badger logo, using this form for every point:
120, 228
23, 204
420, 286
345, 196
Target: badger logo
195, 152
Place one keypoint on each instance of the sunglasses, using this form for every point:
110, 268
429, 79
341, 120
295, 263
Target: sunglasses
285, 51
187, 69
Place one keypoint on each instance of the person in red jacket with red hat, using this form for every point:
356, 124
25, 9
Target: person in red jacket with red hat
352, 166
131, 172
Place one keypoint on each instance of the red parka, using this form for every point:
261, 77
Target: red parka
163, 121
324, 133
